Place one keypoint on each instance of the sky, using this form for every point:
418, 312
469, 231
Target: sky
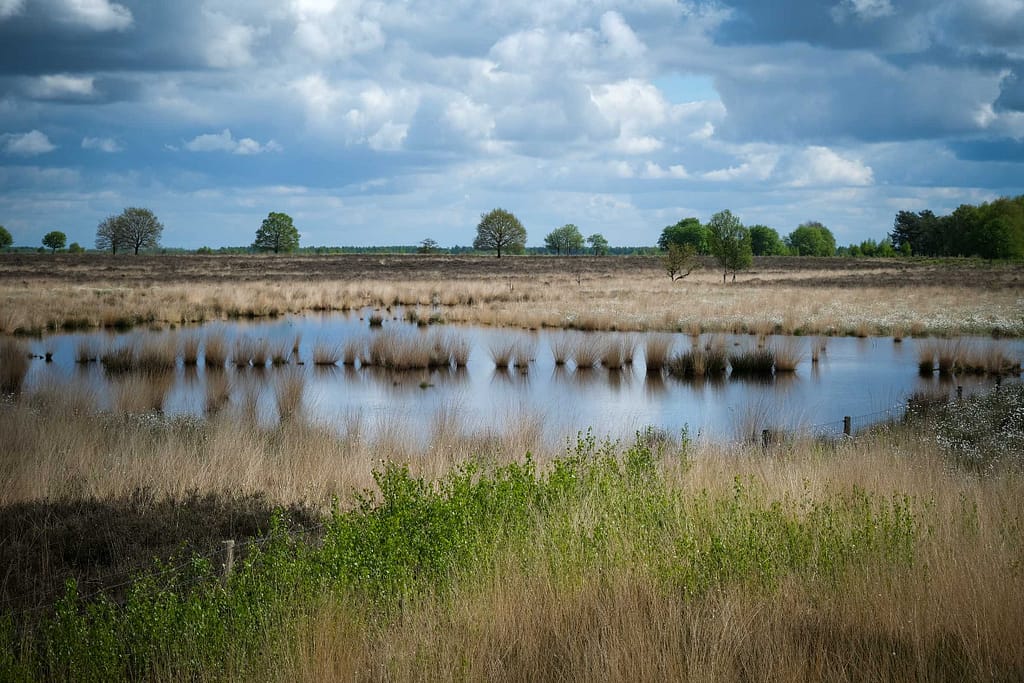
381, 123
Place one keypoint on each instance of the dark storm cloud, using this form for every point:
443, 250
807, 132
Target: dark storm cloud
40, 40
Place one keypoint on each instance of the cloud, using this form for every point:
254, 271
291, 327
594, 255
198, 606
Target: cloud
225, 142
108, 145
62, 86
99, 15
9, 8
28, 144
228, 44
864, 10
817, 166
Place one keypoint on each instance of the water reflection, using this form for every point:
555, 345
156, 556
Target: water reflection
217, 369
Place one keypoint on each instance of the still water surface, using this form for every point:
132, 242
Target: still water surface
868, 379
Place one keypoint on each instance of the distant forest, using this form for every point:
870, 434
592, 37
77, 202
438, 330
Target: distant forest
993, 230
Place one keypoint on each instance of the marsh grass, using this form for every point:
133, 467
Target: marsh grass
982, 359
14, 361
752, 362
657, 351
190, 349
157, 354
87, 350
561, 348
242, 349
460, 350
613, 353
651, 559
948, 353
398, 351
281, 353
289, 388
503, 352
135, 393
215, 350
587, 351
261, 352
120, 357
327, 352
523, 353
926, 354
788, 353
709, 361
819, 347
218, 392
353, 351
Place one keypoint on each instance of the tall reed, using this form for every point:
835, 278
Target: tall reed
587, 351
787, 354
14, 360
326, 352
215, 350
190, 349
657, 350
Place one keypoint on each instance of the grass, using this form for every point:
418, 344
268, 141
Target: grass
326, 352
787, 354
157, 354
778, 295
120, 357
698, 362
14, 361
503, 353
657, 351
190, 349
645, 559
758, 362
587, 351
289, 388
87, 350
614, 352
215, 352
561, 349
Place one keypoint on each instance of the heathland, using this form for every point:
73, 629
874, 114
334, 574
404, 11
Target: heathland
450, 553
787, 295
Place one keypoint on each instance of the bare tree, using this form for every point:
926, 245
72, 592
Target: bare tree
138, 228
106, 235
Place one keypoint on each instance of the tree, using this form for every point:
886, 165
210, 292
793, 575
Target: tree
564, 240
500, 230
54, 240
812, 239
598, 243
107, 236
5, 238
765, 241
680, 261
686, 231
428, 246
137, 228
277, 233
729, 242
76, 248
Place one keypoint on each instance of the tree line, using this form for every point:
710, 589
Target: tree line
993, 230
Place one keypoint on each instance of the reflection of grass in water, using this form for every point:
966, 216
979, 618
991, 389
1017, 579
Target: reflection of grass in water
289, 387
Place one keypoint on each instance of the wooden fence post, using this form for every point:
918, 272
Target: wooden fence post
229, 557
847, 424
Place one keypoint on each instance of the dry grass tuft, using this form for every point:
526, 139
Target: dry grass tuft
14, 359
503, 353
587, 351
215, 351
657, 351
289, 388
788, 353
326, 352
87, 350
190, 349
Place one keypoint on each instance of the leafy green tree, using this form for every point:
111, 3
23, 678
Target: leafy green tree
686, 231
277, 233
812, 239
564, 240
680, 261
54, 240
765, 241
729, 242
76, 248
5, 238
137, 228
500, 230
598, 244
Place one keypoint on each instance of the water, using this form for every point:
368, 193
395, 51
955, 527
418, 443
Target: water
867, 379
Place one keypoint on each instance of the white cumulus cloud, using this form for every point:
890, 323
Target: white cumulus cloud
8, 8
28, 144
108, 145
224, 141
817, 165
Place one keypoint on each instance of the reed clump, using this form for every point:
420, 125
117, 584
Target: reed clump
698, 362
242, 351
215, 351
157, 354
787, 354
326, 352
752, 362
613, 353
87, 350
502, 353
120, 357
561, 349
657, 351
190, 350
587, 351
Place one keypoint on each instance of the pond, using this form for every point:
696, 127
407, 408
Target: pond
868, 379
